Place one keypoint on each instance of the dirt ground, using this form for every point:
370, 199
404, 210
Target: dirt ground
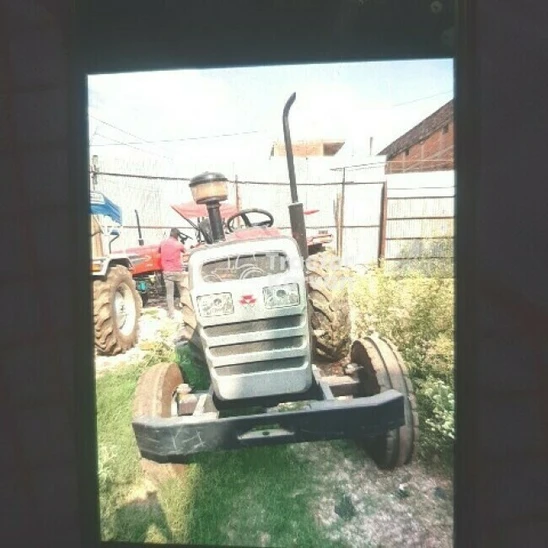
357, 504
360, 505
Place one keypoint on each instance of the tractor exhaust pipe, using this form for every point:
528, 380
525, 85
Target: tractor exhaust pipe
289, 149
296, 213
141, 241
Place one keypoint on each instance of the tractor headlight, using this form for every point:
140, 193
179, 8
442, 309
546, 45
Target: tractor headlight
278, 296
219, 304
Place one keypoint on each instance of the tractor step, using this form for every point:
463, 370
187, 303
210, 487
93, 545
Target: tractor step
202, 429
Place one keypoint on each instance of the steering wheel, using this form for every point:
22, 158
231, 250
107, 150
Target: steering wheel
244, 215
184, 237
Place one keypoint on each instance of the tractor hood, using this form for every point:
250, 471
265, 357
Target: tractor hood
194, 211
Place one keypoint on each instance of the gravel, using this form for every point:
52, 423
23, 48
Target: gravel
359, 505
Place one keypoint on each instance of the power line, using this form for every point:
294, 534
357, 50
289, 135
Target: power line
221, 135
244, 182
120, 143
116, 143
148, 177
421, 99
203, 137
118, 128
240, 182
373, 165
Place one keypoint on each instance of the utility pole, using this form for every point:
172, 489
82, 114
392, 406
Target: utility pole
341, 218
94, 171
382, 223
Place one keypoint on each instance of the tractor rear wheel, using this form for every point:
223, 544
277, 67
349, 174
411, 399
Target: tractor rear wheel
381, 368
189, 332
153, 397
328, 298
116, 311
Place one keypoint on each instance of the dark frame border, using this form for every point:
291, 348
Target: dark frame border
146, 35
467, 164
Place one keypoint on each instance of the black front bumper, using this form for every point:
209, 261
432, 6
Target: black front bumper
176, 439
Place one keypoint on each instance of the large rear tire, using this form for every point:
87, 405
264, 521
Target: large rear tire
382, 368
330, 312
116, 310
189, 331
153, 397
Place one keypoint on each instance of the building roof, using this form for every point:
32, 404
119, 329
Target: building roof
421, 131
316, 147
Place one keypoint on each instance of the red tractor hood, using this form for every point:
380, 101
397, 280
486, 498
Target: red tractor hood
252, 233
193, 210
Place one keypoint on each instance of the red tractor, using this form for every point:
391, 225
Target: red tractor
122, 280
145, 259
116, 302
250, 306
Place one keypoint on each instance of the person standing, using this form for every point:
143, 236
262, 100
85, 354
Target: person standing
171, 251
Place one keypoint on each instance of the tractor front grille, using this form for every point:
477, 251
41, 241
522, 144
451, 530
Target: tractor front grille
258, 346
259, 367
269, 324
264, 344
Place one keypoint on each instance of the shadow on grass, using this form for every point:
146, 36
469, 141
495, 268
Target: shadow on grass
143, 520
254, 497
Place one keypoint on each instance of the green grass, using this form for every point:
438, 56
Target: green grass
258, 496
416, 312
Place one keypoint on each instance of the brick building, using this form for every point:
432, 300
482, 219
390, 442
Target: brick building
429, 146
304, 149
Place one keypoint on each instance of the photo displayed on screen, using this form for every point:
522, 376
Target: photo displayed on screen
273, 300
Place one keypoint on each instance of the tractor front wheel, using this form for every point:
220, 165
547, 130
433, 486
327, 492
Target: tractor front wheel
381, 368
116, 311
153, 398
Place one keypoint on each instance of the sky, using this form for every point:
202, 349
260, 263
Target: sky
235, 114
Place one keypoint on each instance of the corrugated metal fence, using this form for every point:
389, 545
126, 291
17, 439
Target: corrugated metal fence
419, 219
395, 217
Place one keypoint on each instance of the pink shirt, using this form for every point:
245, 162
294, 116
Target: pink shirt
170, 255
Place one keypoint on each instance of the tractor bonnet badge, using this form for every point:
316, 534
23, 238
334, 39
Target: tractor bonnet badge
248, 301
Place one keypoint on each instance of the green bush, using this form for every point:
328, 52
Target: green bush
416, 312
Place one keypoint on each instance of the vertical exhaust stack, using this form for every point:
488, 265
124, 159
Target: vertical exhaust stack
296, 213
141, 240
211, 189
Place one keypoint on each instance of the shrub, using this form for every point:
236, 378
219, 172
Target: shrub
416, 312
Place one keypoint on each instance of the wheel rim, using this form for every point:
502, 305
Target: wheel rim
368, 379
124, 309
